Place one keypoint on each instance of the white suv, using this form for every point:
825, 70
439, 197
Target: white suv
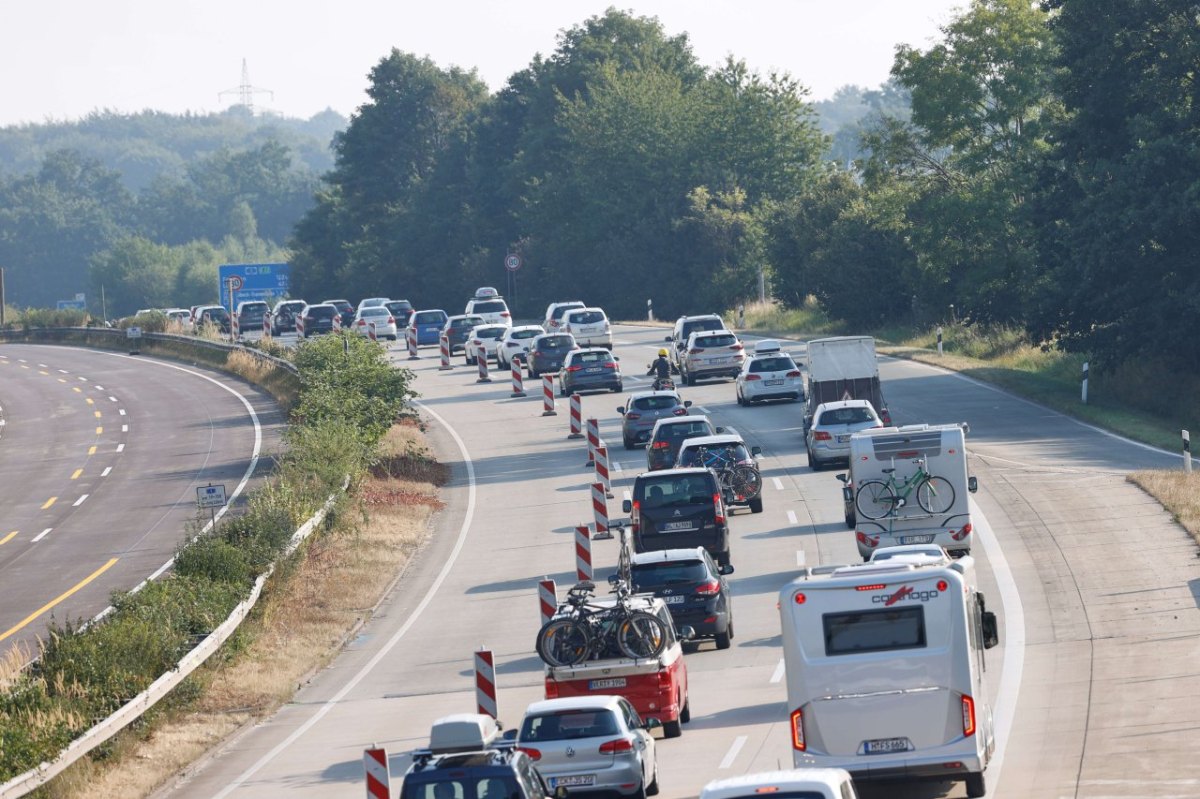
589, 326
711, 353
494, 310
554, 314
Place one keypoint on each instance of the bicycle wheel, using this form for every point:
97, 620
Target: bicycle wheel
746, 481
563, 642
935, 495
641, 635
875, 499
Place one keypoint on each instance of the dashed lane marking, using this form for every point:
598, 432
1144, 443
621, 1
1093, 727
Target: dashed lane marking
791, 517
76, 473
8, 537
107, 469
777, 675
732, 754
80, 501
49, 502
778, 483
39, 537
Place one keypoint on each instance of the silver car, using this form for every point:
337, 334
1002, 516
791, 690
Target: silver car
828, 439
591, 743
644, 409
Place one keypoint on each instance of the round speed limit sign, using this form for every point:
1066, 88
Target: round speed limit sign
512, 263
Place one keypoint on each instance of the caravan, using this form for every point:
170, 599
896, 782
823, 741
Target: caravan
885, 670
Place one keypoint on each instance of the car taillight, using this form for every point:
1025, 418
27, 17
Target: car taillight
619, 745
664, 679
661, 445
533, 753
968, 711
887, 416
821, 435
606, 328
610, 365
679, 412
754, 377
717, 509
695, 350
635, 516
574, 368
505, 314
632, 415
709, 589
362, 321
391, 320
551, 689
959, 535
737, 347
793, 373
798, 730
866, 540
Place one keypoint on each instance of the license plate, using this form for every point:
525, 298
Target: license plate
612, 682
881, 746
575, 780
772, 382
670, 527
674, 600
592, 369
843, 439
916, 539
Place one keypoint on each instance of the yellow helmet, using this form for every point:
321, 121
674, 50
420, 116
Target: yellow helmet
662, 351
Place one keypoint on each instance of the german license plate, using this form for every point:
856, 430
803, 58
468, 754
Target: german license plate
573, 781
881, 746
592, 369
916, 539
611, 682
671, 527
843, 439
674, 600
772, 382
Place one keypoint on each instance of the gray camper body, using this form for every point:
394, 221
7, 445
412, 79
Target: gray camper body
843, 367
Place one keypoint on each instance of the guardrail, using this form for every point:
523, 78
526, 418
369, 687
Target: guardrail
131, 710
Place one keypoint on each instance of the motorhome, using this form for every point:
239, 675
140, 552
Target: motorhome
885, 667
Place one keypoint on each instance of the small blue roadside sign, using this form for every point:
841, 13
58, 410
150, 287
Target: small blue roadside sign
210, 496
241, 282
68, 304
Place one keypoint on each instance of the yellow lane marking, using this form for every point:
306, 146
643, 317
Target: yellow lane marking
61, 380
49, 502
99, 431
65, 594
92, 450
90, 401
43, 372
8, 537
97, 414
77, 389
78, 472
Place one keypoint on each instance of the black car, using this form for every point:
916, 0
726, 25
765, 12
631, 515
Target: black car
218, 317
676, 508
548, 351
693, 587
457, 329
345, 309
668, 436
318, 319
402, 311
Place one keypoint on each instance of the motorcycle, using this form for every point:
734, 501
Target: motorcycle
663, 384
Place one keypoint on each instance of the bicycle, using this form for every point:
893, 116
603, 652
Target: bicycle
589, 631
739, 480
879, 498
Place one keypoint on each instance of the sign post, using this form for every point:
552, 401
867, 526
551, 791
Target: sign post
211, 497
512, 262
134, 336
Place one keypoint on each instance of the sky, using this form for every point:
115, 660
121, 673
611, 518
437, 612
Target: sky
63, 59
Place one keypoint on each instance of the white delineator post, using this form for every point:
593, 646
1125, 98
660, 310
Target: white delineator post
1085, 381
939, 339
481, 357
375, 763
602, 475
300, 325
593, 439
547, 599
410, 338
1187, 452
548, 396
444, 347
600, 508
583, 552
266, 325
576, 430
518, 383
371, 331
485, 683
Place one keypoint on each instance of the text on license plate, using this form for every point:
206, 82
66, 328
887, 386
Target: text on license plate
592, 369
573, 780
611, 682
916, 539
843, 439
883, 745
669, 527
674, 600
772, 382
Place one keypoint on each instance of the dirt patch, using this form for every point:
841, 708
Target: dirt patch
1179, 493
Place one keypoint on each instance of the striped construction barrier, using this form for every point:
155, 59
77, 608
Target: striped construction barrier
371, 331
600, 508
300, 325
518, 383
593, 439
410, 338
375, 763
548, 396
266, 325
576, 430
234, 327
547, 599
485, 683
337, 322
583, 552
481, 359
602, 475
444, 347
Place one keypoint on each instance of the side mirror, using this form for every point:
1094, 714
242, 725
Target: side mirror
614, 579
720, 429
687, 403
626, 506
991, 630
756, 451
616, 357
510, 735
726, 568
668, 338
651, 724
688, 633
841, 477
621, 410
972, 484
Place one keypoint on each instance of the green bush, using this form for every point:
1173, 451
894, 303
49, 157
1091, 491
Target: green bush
51, 317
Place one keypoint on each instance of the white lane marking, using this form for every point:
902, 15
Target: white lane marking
124, 428
732, 754
22, 360
778, 675
791, 517
84, 379
702, 409
121, 411
112, 399
42, 535
79, 501
379, 656
778, 483
98, 388
120, 447
44, 366
63, 372
107, 469
800, 557
617, 466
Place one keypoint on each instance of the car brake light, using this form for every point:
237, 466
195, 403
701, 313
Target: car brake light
793, 373
871, 587
695, 350
632, 415
968, 711
821, 435
574, 368
635, 516
391, 320
505, 314
709, 589
679, 412
887, 416
720, 512
664, 679
737, 347
798, 730
942, 585
610, 365
866, 540
533, 753
798, 598
754, 377
661, 445
619, 745
959, 535
551, 689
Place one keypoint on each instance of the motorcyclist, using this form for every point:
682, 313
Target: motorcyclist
660, 368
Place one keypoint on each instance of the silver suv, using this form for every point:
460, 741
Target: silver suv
685, 326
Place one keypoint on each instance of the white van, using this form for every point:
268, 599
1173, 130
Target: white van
885, 461
885, 671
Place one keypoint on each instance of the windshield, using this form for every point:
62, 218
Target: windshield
374, 311
653, 576
489, 332
726, 340
466, 321
492, 306
562, 309
520, 335
846, 416
701, 324
321, 312
683, 430
569, 725
429, 318
779, 363
593, 358
460, 784
584, 317
655, 403
556, 343
671, 491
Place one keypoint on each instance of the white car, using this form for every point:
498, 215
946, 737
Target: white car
828, 438
494, 310
711, 353
810, 783
373, 302
515, 344
589, 326
485, 336
768, 374
554, 314
385, 323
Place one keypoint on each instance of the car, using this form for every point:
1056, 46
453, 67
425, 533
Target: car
768, 374
381, 317
669, 434
589, 326
693, 586
644, 409
725, 449
214, 315
514, 345
401, 309
676, 508
591, 743
590, 369
318, 319
457, 328
344, 308
428, 324
547, 352
800, 783
828, 438
554, 314
487, 336
486, 292
493, 310
283, 316
711, 354
466, 760
180, 316
250, 316
684, 327
195, 313
373, 302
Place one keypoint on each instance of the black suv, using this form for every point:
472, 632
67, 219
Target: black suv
402, 311
676, 508
318, 319
668, 436
693, 587
466, 761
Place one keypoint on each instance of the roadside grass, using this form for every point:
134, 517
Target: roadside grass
772, 319
1179, 493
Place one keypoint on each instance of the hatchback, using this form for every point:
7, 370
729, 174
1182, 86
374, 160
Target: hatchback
828, 439
494, 311
711, 354
487, 336
380, 317
669, 434
592, 369
401, 309
694, 588
677, 508
554, 314
283, 316
318, 319
644, 410
429, 324
766, 375
547, 352
344, 308
373, 302
589, 326
591, 743
515, 344
457, 328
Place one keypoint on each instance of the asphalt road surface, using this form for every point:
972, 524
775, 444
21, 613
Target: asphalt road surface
1093, 685
100, 458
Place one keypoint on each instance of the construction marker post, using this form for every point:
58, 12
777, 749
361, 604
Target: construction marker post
481, 358
576, 417
600, 510
593, 440
410, 338
371, 331
547, 599
266, 325
583, 552
337, 322
235, 331
375, 763
300, 325
939, 339
602, 469
444, 347
1187, 452
548, 396
518, 383
485, 683
1085, 382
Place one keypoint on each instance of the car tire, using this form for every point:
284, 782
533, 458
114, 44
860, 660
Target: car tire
813, 463
672, 729
652, 788
724, 639
619, 389
976, 784
755, 505
685, 715
629, 444
740, 401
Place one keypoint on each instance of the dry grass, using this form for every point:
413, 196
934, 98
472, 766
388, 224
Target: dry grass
300, 629
248, 366
1179, 493
12, 663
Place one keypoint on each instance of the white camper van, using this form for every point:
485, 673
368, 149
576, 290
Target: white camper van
885, 670
888, 500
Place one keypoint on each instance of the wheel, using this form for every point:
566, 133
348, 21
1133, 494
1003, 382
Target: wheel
723, 639
875, 499
746, 481
935, 495
740, 401
850, 519
688, 380
628, 442
813, 463
563, 642
685, 715
756, 505
976, 785
619, 389
672, 729
642, 635
652, 788
468, 361
640, 793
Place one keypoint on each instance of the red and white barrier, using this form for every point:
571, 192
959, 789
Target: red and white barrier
547, 599
593, 439
602, 476
518, 383
375, 763
600, 508
548, 396
576, 417
485, 683
481, 358
266, 325
444, 346
371, 331
583, 552
234, 327
299, 325
410, 338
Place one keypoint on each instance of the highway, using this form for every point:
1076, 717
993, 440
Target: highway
100, 456
1093, 684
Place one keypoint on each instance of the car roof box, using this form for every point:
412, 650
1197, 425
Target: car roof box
766, 345
486, 292
463, 732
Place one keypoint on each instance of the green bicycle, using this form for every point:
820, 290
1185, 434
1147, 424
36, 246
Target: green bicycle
879, 498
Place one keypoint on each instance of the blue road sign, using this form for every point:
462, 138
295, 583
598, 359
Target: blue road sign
65, 304
266, 282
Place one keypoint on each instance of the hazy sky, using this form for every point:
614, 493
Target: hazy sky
61, 59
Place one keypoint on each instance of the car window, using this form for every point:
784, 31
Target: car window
490, 332
727, 340
693, 456
321, 312
569, 725
555, 343
776, 364
701, 324
632, 719
585, 317
375, 310
491, 306
674, 490
655, 403
846, 416
428, 317
593, 357
557, 313
684, 430
524, 334
653, 576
